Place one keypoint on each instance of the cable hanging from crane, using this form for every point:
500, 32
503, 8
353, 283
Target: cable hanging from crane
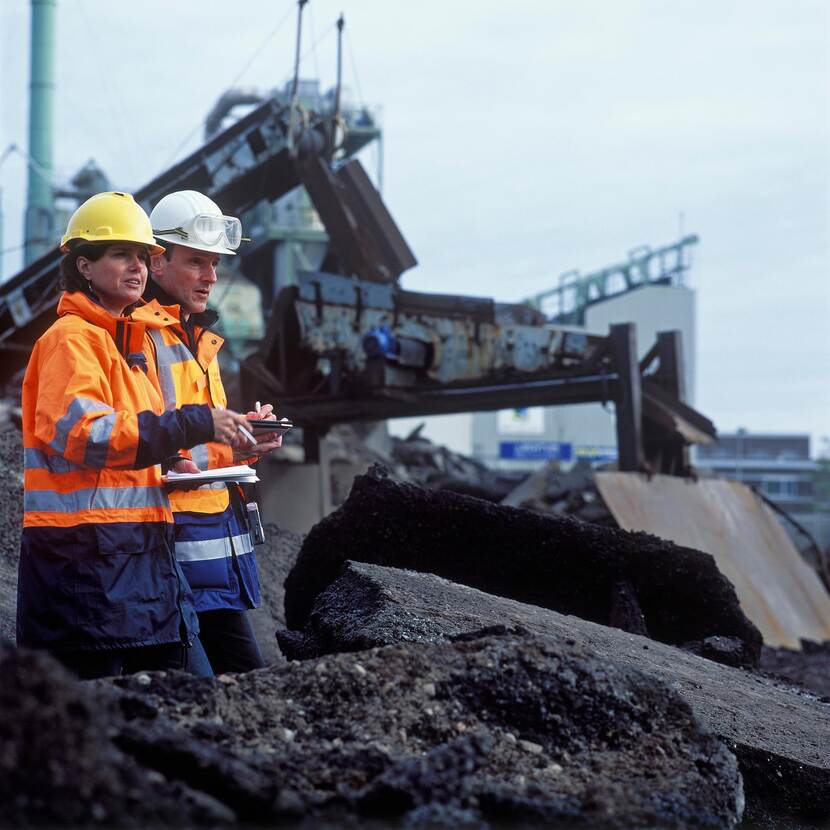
257, 52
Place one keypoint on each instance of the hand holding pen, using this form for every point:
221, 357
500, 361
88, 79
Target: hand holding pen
230, 428
265, 442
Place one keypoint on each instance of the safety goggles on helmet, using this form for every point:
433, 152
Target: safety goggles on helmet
207, 229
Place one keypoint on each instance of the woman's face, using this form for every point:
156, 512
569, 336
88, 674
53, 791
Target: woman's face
118, 277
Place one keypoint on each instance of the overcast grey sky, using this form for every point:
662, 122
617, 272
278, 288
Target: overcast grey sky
521, 139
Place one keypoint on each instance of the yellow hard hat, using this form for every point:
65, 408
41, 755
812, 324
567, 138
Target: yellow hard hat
110, 217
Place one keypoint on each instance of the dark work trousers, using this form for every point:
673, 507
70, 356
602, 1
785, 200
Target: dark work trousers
89, 665
229, 641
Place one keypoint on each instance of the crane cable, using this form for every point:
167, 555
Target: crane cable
257, 52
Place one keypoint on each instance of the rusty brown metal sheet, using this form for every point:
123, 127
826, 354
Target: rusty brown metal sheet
777, 590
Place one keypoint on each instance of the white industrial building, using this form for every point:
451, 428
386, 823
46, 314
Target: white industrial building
528, 438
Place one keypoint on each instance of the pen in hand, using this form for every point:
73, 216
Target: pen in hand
251, 440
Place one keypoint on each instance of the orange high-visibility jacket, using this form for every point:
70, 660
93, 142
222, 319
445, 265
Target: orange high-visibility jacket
213, 544
96, 568
185, 378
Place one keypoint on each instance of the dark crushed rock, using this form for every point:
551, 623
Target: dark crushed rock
809, 668
11, 525
572, 493
676, 593
481, 732
274, 560
435, 467
780, 736
59, 765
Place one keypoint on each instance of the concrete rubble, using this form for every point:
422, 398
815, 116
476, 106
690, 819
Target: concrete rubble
352, 448
408, 735
571, 493
596, 573
781, 737
556, 680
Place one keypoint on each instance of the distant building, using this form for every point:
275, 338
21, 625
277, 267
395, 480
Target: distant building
650, 291
778, 466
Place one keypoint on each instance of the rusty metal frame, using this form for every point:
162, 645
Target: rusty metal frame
643, 410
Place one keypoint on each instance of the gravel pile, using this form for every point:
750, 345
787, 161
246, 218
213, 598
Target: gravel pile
60, 765
489, 731
571, 493
274, 559
11, 524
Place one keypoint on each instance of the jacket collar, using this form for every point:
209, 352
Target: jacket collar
204, 319
78, 303
127, 332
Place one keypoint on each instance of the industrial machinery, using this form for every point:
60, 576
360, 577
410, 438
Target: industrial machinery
344, 342
342, 349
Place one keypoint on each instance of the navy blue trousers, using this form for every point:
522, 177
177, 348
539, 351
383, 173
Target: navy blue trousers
89, 665
229, 641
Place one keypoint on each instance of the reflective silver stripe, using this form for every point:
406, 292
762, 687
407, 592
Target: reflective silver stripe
38, 460
77, 409
242, 544
167, 356
199, 454
98, 443
93, 498
208, 549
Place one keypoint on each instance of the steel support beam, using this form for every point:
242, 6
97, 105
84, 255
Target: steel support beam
670, 354
629, 397
399, 403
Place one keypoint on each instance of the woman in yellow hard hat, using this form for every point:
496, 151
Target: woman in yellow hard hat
99, 585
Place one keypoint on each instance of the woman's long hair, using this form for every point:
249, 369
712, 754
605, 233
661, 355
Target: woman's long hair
71, 279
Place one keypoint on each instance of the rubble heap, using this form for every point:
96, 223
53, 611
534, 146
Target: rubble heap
608, 576
11, 524
571, 493
438, 468
542, 686
779, 735
407, 736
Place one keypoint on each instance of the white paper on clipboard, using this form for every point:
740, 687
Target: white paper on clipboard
242, 473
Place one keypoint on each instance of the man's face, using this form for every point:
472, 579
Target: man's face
188, 276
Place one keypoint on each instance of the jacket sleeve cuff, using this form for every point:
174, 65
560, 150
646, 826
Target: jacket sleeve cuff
162, 436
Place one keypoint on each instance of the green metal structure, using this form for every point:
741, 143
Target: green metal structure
39, 220
567, 303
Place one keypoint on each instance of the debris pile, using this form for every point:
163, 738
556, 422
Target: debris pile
571, 493
629, 580
478, 732
11, 523
779, 735
438, 468
455, 663
352, 448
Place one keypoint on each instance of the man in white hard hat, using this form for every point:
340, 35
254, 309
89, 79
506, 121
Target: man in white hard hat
213, 542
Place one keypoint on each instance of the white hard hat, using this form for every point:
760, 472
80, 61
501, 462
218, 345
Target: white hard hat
192, 219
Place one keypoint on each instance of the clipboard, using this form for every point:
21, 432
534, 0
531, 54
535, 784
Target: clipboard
241, 474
